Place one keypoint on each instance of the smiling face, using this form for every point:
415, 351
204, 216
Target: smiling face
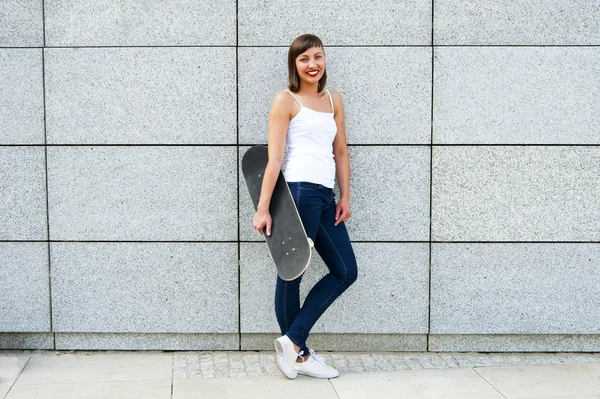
306, 63
310, 65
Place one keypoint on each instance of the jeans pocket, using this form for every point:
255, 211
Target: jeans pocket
331, 200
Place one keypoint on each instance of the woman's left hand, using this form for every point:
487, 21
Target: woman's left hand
342, 212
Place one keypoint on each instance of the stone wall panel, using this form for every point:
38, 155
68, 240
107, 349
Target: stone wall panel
142, 193
144, 287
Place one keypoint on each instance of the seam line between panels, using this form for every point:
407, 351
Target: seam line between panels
144, 241
349, 145
329, 46
20, 47
344, 46
209, 46
431, 171
517, 45
353, 241
237, 128
48, 249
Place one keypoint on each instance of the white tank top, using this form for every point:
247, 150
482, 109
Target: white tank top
309, 146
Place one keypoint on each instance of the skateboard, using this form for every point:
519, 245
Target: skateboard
288, 244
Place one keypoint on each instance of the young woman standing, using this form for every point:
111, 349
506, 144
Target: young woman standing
308, 122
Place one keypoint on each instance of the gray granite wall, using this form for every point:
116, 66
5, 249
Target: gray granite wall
474, 132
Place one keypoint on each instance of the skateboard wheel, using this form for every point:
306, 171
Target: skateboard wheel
311, 243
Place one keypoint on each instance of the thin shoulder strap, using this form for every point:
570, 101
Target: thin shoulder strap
331, 100
294, 97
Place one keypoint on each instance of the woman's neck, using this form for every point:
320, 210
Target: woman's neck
309, 90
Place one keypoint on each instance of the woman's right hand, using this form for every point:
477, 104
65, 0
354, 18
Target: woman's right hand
261, 220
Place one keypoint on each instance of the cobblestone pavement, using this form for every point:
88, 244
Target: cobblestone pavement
196, 365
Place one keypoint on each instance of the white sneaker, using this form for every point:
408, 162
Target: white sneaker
285, 356
315, 366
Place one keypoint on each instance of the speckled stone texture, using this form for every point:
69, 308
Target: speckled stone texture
22, 23
21, 97
131, 23
515, 343
516, 193
24, 297
262, 72
22, 194
389, 103
490, 138
515, 289
139, 341
370, 342
143, 193
389, 296
517, 95
389, 195
490, 22
338, 22
26, 340
141, 96
386, 93
144, 287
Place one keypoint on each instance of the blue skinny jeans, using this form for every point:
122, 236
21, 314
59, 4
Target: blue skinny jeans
316, 205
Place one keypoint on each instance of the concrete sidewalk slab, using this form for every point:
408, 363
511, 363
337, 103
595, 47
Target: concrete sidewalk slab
415, 384
180, 375
571, 397
544, 381
87, 368
254, 387
10, 368
95, 390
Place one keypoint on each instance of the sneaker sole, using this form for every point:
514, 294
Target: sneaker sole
282, 363
319, 376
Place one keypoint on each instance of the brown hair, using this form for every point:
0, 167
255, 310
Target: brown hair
298, 46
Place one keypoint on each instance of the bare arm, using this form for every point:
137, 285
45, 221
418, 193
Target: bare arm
342, 161
279, 119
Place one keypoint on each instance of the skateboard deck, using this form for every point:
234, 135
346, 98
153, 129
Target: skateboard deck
288, 244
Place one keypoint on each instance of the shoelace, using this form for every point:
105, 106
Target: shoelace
318, 358
320, 361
